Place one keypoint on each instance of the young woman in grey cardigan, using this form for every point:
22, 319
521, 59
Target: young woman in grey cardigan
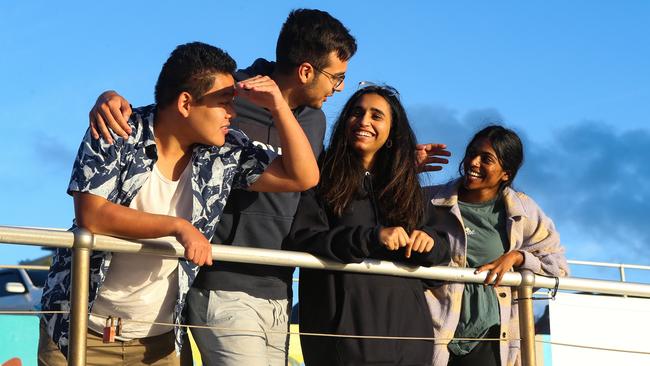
493, 228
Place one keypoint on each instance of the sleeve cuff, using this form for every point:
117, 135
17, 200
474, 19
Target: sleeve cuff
531, 262
373, 242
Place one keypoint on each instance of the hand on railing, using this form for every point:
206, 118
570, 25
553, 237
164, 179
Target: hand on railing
500, 266
197, 248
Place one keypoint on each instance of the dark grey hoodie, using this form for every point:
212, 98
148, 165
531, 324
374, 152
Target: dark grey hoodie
259, 220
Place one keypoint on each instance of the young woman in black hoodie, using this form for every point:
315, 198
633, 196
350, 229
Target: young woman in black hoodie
369, 204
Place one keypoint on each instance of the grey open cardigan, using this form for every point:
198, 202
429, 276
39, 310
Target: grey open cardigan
530, 231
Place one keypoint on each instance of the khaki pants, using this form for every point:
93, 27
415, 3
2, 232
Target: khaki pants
237, 313
156, 350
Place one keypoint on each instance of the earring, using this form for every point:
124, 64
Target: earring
389, 143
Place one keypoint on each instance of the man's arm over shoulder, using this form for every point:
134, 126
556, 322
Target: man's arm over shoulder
97, 167
111, 112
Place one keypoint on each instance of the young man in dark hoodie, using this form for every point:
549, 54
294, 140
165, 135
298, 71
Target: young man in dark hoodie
312, 54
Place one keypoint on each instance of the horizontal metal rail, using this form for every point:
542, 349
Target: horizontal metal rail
611, 265
24, 266
228, 253
621, 267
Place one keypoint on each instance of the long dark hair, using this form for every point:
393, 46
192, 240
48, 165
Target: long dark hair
507, 146
399, 196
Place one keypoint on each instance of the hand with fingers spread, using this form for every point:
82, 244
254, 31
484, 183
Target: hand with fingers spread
197, 248
263, 91
110, 111
419, 242
429, 154
498, 267
393, 238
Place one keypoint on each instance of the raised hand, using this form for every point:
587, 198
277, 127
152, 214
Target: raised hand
263, 91
428, 156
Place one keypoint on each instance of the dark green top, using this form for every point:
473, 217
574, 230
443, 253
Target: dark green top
487, 240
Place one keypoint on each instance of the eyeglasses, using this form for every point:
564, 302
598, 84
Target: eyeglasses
336, 80
387, 88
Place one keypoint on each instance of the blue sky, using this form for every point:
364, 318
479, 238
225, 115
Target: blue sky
571, 78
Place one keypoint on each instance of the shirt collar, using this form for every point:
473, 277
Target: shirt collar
147, 116
447, 195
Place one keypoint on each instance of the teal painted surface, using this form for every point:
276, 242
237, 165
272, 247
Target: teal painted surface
19, 338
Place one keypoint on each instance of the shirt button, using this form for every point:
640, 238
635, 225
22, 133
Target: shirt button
503, 335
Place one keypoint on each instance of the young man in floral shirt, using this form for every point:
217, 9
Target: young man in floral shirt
170, 178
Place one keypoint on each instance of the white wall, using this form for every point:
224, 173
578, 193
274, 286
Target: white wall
599, 321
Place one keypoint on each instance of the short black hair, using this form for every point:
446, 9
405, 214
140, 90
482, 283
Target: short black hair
310, 35
191, 68
507, 146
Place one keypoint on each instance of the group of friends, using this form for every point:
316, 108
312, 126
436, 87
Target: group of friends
236, 157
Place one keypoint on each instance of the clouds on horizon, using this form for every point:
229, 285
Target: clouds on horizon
595, 178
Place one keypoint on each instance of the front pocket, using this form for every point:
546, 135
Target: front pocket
222, 306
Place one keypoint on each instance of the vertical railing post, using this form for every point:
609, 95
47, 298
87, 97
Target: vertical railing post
621, 270
83, 243
526, 319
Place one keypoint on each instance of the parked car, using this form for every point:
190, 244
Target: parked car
21, 289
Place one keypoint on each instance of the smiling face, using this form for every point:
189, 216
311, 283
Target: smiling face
368, 126
483, 173
209, 116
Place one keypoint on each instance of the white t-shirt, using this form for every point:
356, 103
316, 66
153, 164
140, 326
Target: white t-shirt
139, 286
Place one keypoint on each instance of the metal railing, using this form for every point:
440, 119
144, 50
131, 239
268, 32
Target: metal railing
82, 242
621, 266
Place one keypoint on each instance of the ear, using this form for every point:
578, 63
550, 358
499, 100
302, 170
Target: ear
505, 177
183, 103
306, 72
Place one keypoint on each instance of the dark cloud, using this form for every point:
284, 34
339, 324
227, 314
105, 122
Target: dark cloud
52, 154
590, 177
595, 177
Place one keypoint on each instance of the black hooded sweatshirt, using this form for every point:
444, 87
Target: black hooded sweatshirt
354, 303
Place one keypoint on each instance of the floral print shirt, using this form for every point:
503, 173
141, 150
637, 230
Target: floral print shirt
117, 172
